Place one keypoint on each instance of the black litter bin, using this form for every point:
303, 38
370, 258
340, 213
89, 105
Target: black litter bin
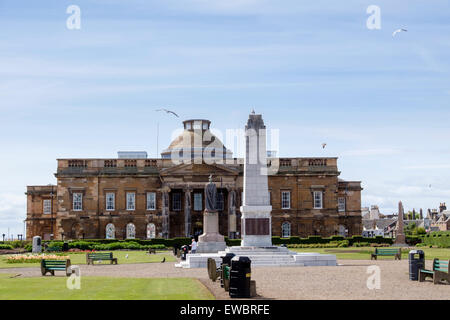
240, 277
226, 261
65, 247
416, 262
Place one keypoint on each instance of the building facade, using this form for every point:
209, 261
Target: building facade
143, 198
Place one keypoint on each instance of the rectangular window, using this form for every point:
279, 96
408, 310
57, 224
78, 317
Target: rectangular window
176, 201
131, 201
285, 200
318, 199
47, 206
110, 201
341, 204
220, 203
198, 202
151, 201
77, 202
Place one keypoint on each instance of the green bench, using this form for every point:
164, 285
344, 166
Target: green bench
100, 256
55, 265
397, 253
439, 273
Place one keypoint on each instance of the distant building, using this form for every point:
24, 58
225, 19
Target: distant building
136, 197
372, 214
375, 224
440, 220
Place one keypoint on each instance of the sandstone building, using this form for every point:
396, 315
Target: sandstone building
135, 197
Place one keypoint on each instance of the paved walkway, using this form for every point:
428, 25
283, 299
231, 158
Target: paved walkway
347, 281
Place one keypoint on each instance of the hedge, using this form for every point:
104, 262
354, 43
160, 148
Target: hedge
6, 247
89, 244
320, 240
440, 239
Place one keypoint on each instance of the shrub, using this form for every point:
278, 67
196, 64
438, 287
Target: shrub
6, 247
361, 244
83, 245
55, 245
440, 239
233, 242
17, 244
129, 245
343, 244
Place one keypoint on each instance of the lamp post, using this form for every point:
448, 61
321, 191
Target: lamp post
3, 237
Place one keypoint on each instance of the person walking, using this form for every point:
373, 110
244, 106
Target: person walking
193, 246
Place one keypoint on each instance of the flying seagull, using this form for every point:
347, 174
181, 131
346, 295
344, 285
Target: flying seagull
324, 145
398, 30
168, 111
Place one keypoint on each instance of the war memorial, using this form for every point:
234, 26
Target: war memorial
256, 242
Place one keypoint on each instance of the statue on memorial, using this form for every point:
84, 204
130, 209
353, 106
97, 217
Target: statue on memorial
232, 204
210, 196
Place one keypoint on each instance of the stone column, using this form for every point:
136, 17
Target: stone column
165, 213
400, 239
187, 212
256, 225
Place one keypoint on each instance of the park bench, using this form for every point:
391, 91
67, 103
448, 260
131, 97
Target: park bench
100, 256
439, 273
55, 265
387, 252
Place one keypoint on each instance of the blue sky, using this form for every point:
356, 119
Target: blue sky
312, 69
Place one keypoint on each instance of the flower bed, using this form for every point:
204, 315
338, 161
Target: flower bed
33, 258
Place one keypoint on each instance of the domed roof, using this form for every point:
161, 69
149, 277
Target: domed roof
198, 141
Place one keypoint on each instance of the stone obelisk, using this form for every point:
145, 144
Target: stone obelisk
400, 239
211, 241
256, 210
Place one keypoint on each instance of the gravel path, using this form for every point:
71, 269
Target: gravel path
347, 281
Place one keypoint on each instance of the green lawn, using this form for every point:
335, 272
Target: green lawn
363, 253
80, 258
102, 288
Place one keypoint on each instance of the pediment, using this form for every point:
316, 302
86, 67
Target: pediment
199, 170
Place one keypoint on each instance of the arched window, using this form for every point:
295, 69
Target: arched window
285, 230
131, 231
110, 231
151, 231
